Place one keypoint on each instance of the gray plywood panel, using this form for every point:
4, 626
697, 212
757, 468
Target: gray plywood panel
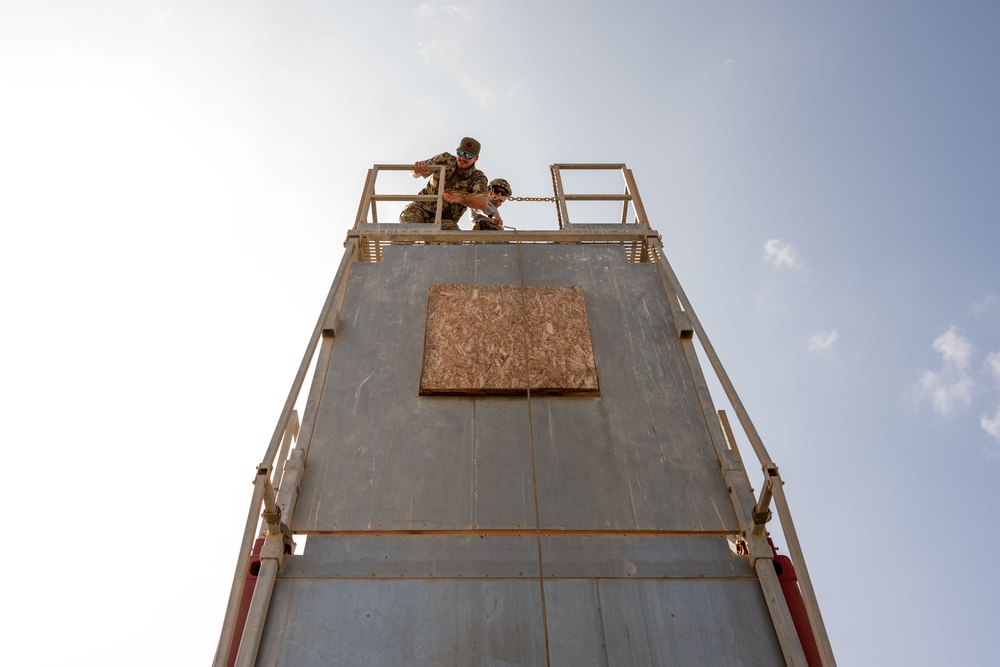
380, 457
573, 621
415, 556
648, 556
503, 496
383, 458
688, 622
640, 456
409, 622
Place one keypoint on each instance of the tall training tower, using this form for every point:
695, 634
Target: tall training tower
508, 455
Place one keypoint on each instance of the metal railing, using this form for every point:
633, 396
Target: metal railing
629, 196
752, 524
274, 503
369, 198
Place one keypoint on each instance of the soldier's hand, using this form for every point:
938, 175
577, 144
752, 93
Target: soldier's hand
419, 169
453, 197
498, 220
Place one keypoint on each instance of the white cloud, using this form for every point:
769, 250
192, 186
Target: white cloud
781, 254
428, 10
729, 62
991, 424
951, 388
954, 348
947, 393
822, 340
992, 365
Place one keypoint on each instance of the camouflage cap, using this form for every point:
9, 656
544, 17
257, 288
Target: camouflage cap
471, 145
501, 183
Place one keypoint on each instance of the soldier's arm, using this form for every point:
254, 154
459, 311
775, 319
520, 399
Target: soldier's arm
476, 197
470, 200
422, 168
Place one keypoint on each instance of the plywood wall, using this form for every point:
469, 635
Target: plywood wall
474, 341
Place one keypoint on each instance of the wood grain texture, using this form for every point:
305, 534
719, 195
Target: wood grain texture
474, 341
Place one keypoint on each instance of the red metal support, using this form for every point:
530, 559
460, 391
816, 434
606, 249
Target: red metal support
796, 606
248, 585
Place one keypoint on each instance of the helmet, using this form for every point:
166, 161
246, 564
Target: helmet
501, 183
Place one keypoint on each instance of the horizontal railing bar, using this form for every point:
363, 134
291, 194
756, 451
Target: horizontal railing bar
589, 166
597, 197
412, 232
404, 197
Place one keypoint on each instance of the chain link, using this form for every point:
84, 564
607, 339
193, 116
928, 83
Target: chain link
509, 198
531, 199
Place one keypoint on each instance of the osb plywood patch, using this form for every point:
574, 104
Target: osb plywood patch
474, 343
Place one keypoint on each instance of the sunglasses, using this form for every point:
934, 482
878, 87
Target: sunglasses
467, 156
498, 190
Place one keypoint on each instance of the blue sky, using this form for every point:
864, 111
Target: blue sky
177, 179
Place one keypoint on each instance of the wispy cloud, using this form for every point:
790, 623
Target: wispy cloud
947, 394
438, 58
823, 340
426, 10
950, 389
991, 424
955, 349
985, 306
782, 255
992, 365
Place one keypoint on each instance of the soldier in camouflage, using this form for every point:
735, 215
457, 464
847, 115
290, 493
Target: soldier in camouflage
464, 185
489, 217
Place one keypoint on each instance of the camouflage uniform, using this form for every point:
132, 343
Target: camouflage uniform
472, 182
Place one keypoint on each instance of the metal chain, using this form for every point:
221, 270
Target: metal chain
512, 198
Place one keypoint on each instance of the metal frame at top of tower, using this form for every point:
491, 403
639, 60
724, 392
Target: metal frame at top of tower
275, 491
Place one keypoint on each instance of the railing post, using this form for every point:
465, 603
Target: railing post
242, 566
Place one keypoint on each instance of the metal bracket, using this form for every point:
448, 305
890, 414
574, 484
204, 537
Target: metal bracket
683, 323
762, 510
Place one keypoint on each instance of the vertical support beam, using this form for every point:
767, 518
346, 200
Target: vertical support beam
291, 480
802, 572
286, 442
366, 198
254, 629
442, 174
242, 566
372, 198
730, 438
784, 626
315, 396
640, 210
560, 196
